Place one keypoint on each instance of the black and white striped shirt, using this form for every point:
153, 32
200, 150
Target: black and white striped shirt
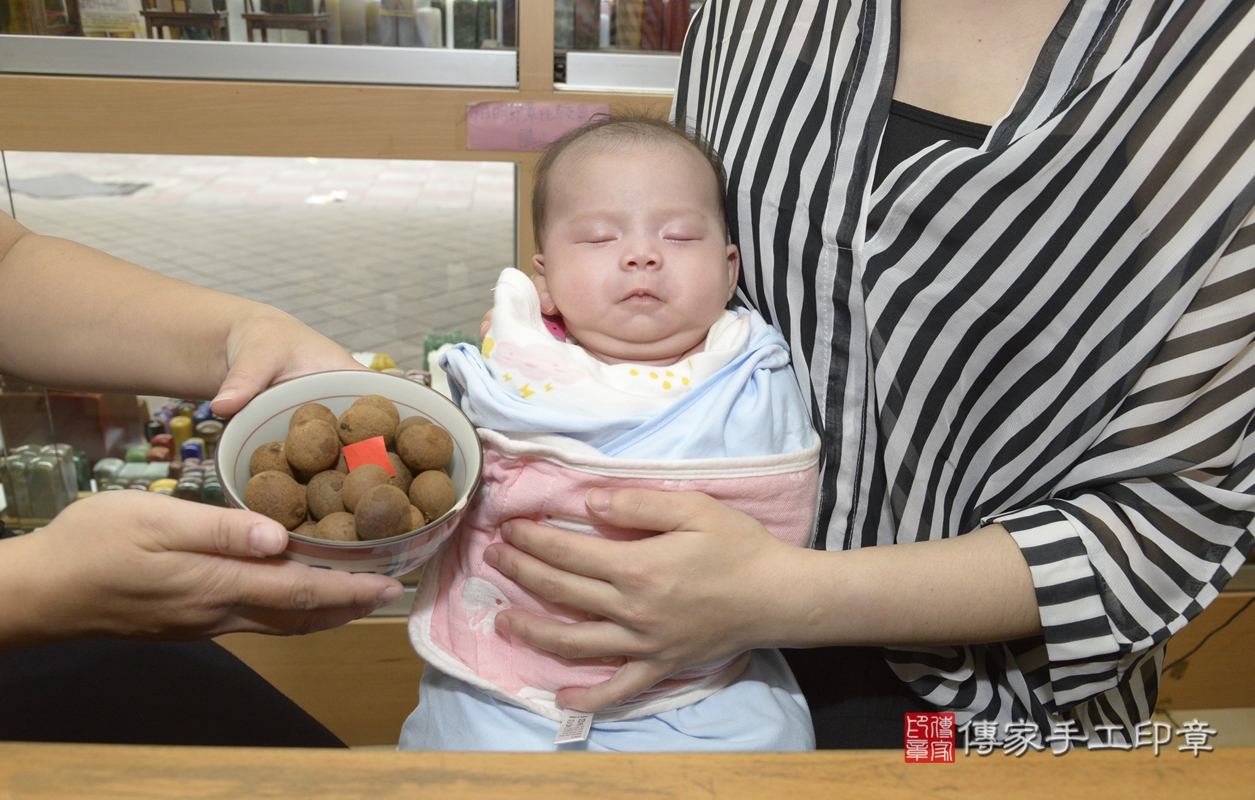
1052, 331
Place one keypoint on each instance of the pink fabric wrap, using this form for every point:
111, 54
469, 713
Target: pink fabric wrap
470, 593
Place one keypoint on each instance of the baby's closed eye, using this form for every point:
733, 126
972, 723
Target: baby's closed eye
682, 236
595, 236
685, 228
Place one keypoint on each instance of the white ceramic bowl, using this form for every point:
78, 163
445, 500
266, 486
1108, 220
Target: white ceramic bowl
265, 419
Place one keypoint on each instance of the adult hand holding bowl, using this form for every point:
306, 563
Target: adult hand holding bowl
266, 419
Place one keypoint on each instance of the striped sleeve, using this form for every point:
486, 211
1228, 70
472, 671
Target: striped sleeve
1052, 330
1157, 515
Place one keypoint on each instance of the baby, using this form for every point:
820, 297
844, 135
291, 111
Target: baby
625, 369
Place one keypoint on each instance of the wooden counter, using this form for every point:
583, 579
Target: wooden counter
58, 771
376, 673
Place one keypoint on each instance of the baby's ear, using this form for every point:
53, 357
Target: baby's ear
547, 306
734, 268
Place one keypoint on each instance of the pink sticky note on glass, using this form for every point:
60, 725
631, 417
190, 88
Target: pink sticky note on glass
368, 451
524, 127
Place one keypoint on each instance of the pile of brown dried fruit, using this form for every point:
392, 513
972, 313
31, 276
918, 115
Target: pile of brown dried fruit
305, 485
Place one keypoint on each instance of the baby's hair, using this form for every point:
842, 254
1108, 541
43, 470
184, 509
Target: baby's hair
606, 132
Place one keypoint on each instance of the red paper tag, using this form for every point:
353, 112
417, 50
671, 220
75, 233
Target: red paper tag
368, 451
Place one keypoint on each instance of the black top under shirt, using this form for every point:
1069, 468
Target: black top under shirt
910, 130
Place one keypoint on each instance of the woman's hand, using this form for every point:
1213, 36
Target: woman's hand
713, 584
135, 565
268, 347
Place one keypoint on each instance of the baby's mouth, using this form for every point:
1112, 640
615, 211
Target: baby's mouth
641, 296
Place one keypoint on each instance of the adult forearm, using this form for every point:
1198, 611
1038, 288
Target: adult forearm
71, 316
966, 590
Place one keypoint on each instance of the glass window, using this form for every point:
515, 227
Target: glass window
620, 44
423, 42
622, 25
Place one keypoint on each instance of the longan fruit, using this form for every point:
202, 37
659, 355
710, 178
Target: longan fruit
312, 447
409, 422
364, 421
311, 411
383, 404
337, 527
424, 447
433, 492
303, 478
306, 528
269, 457
384, 511
277, 496
323, 494
359, 482
401, 475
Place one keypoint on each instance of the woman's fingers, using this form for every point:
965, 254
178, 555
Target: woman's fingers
554, 584
242, 383
590, 556
187, 528
220, 545
570, 639
647, 510
632, 678
288, 586
198, 528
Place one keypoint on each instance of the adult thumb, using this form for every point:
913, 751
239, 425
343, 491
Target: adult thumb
199, 528
240, 386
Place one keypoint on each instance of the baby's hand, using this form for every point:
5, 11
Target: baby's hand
547, 306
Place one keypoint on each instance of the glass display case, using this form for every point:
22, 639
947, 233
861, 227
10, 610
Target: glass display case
49, 443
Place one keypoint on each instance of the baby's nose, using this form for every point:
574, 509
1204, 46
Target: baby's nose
642, 257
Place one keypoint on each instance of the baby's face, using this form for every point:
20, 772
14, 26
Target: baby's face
635, 257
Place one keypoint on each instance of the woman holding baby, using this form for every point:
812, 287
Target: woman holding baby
1008, 243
